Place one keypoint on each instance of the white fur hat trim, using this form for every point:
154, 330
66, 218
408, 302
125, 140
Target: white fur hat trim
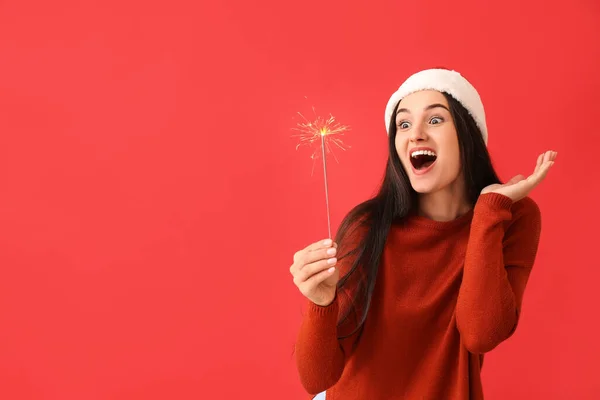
442, 80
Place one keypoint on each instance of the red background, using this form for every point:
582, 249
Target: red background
151, 197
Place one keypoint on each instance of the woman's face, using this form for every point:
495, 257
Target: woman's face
426, 141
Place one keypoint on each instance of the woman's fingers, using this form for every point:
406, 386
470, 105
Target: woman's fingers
300, 257
307, 287
318, 252
544, 158
317, 255
538, 176
321, 250
538, 163
309, 270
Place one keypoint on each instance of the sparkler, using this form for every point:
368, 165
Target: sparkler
326, 132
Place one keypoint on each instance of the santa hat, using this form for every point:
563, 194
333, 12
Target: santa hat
446, 81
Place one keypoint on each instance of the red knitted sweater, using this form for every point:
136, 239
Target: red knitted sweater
446, 293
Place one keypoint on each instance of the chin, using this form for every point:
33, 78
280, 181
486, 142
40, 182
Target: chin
423, 187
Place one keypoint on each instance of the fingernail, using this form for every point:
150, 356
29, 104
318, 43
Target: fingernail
332, 261
326, 242
331, 251
330, 270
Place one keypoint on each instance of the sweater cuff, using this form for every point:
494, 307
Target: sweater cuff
329, 311
496, 201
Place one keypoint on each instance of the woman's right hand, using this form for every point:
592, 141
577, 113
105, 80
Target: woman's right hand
314, 272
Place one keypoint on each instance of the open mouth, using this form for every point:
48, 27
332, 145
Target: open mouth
422, 159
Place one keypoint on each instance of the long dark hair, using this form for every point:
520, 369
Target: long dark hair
395, 200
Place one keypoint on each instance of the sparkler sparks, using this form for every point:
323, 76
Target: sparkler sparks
327, 131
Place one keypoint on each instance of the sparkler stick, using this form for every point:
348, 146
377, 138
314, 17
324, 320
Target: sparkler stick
326, 132
326, 186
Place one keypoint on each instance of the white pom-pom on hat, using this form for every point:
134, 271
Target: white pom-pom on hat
446, 81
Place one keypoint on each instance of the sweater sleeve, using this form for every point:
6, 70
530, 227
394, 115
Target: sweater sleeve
320, 355
502, 247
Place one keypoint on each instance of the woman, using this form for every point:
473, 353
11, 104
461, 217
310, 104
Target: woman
431, 271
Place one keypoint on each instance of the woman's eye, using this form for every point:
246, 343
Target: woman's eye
436, 120
403, 125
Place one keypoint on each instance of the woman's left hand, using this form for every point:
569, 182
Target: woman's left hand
519, 186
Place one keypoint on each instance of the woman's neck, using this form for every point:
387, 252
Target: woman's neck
444, 205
